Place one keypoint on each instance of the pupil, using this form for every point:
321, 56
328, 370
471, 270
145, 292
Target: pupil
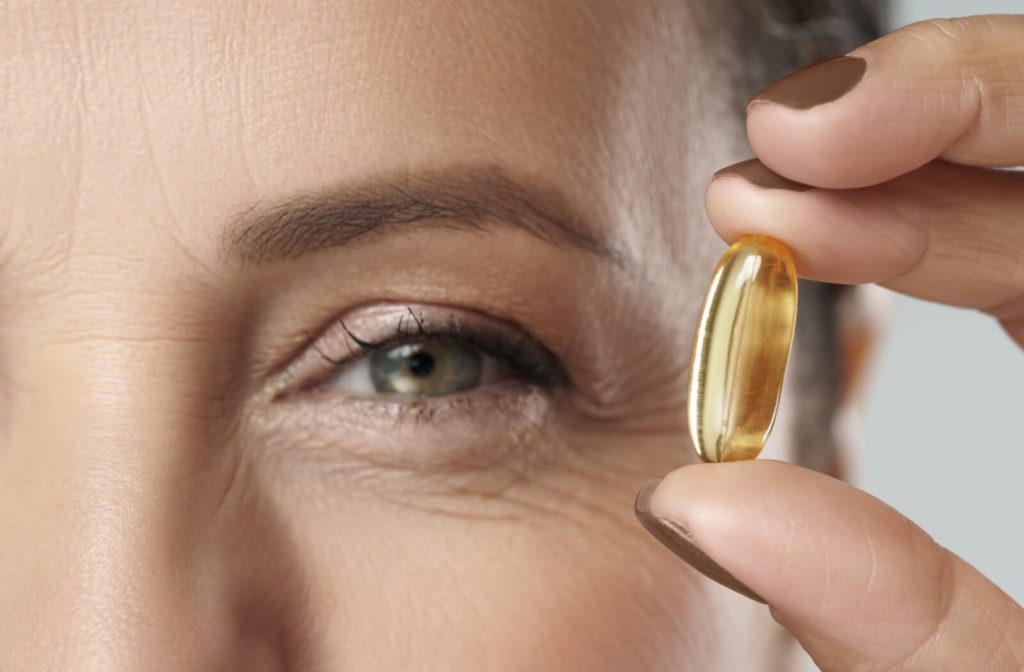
421, 364
420, 369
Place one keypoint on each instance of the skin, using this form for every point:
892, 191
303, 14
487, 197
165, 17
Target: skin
162, 508
163, 505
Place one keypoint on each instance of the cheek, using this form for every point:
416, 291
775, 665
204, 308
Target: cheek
411, 589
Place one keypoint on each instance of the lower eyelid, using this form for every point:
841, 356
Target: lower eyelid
470, 431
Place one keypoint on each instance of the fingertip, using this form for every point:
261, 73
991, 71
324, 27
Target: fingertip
758, 174
831, 148
840, 124
814, 85
844, 236
684, 493
657, 509
642, 503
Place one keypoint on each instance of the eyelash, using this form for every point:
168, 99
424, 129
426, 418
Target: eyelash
517, 350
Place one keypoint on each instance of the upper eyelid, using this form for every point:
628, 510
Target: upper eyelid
454, 330
400, 332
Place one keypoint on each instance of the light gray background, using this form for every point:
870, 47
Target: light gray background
942, 430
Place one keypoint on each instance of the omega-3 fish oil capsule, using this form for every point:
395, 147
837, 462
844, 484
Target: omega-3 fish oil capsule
740, 350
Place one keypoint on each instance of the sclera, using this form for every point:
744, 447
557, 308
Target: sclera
740, 350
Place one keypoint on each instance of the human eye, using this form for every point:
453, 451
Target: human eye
418, 388
399, 353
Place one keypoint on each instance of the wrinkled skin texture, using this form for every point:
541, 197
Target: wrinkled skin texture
161, 508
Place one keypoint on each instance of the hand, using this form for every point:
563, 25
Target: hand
873, 168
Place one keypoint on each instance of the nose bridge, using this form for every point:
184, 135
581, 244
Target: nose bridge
109, 467
117, 505
133, 422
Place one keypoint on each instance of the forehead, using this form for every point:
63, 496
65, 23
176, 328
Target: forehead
176, 115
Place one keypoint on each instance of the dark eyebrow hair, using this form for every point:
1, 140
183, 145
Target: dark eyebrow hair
464, 197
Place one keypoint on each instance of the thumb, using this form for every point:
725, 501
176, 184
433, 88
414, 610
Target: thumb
859, 586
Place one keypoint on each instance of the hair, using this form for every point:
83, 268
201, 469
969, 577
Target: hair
780, 36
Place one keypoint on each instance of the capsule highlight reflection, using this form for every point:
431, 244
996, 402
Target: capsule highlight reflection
740, 350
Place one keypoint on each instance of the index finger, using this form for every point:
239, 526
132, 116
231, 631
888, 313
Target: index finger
951, 89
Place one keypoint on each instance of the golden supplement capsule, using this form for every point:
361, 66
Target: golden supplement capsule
740, 350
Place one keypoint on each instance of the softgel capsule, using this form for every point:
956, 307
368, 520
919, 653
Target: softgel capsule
740, 350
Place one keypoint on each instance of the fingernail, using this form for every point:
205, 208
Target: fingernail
814, 85
678, 539
757, 173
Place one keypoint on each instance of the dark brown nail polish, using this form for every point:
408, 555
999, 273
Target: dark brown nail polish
679, 540
755, 172
814, 85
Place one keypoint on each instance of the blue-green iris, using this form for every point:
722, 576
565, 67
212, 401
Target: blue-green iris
426, 368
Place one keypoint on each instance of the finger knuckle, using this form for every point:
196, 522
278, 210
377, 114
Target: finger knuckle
964, 34
939, 612
984, 256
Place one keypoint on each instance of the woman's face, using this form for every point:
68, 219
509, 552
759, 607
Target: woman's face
341, 335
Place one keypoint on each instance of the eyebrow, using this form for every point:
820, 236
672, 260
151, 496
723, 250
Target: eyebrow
473, 198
